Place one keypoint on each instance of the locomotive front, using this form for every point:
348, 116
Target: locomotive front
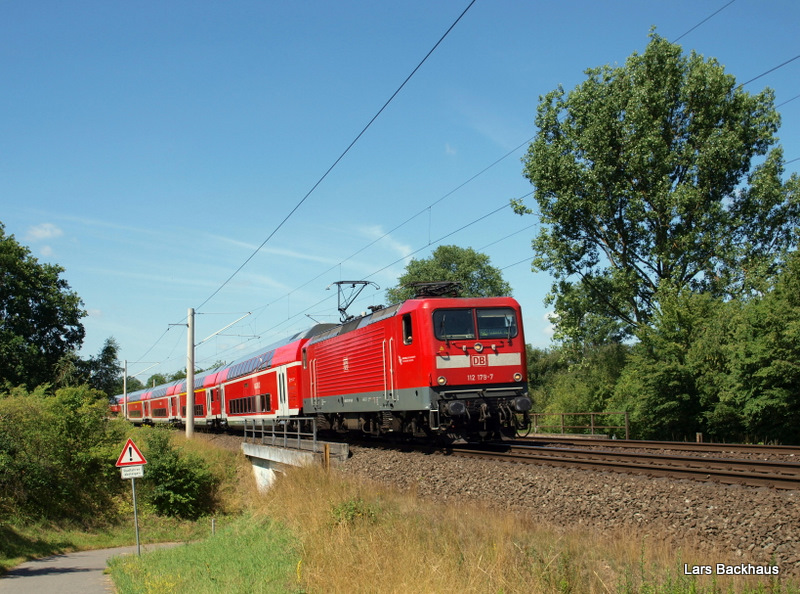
450, 367
478, 370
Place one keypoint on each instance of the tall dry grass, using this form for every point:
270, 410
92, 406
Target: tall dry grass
348, 535
363, 537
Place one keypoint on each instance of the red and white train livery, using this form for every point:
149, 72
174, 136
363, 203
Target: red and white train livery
443, 366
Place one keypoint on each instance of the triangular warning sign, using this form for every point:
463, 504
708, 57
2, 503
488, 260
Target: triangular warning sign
130, 456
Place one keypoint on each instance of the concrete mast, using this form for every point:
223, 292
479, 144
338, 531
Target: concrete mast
190, 376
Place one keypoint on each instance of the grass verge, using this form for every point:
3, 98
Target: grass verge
22, 539
323, 532
251, 555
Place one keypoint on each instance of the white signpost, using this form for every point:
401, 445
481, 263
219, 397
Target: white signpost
131, 462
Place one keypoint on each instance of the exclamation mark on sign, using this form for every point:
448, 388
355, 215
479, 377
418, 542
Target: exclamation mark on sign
130, 453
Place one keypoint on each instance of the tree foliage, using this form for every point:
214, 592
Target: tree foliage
729, 369
179, 485
57, 454
668, 218
765, 360
452, 263
40, 317
559, 385
661, 384
644, 177
104, 372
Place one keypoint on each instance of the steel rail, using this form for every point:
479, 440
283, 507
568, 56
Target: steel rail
783, 475
735, 448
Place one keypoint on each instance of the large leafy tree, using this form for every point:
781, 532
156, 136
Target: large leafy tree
104, 371
472, 269
764, 367
729, 369
40, 317
663, 384
645, 176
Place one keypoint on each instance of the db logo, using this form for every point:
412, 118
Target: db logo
479, 361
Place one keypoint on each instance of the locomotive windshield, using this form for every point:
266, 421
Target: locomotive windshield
461, 324
497, 323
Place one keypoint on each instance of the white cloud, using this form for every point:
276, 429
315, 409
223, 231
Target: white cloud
377, 233
484, 117
283, 252
43, 231
550, 318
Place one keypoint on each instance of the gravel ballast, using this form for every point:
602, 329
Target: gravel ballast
750, 525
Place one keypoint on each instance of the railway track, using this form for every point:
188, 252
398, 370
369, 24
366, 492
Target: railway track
637, 457
781, 475
733, 449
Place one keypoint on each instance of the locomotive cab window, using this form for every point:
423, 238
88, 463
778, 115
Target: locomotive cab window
453, 324
460, 324
497, 323
408, 333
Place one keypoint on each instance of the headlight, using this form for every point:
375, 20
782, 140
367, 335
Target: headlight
478, 347
517, 377
442, 380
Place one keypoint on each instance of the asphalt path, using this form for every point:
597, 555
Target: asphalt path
74, 573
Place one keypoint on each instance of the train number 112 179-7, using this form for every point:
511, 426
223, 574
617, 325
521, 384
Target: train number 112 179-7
480, 377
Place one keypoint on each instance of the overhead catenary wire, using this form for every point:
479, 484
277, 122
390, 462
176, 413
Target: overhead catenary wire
405, 222
427, 209
339, 158
412, 217
328, 171
788, 101
781, 65
435, 241
709, 17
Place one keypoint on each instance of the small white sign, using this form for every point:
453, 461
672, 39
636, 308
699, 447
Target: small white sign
129, 472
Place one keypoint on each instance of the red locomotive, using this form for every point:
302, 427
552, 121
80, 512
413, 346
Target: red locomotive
436, 366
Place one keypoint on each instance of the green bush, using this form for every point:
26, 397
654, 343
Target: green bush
176, 484
56, 455
354, 510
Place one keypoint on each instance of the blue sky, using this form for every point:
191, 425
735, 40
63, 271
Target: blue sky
149, 148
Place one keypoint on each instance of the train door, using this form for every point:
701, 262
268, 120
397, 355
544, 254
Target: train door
223, 413
389, 393
214, 405
283, 394
312, 380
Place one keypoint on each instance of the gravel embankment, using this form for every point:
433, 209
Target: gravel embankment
760, 526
